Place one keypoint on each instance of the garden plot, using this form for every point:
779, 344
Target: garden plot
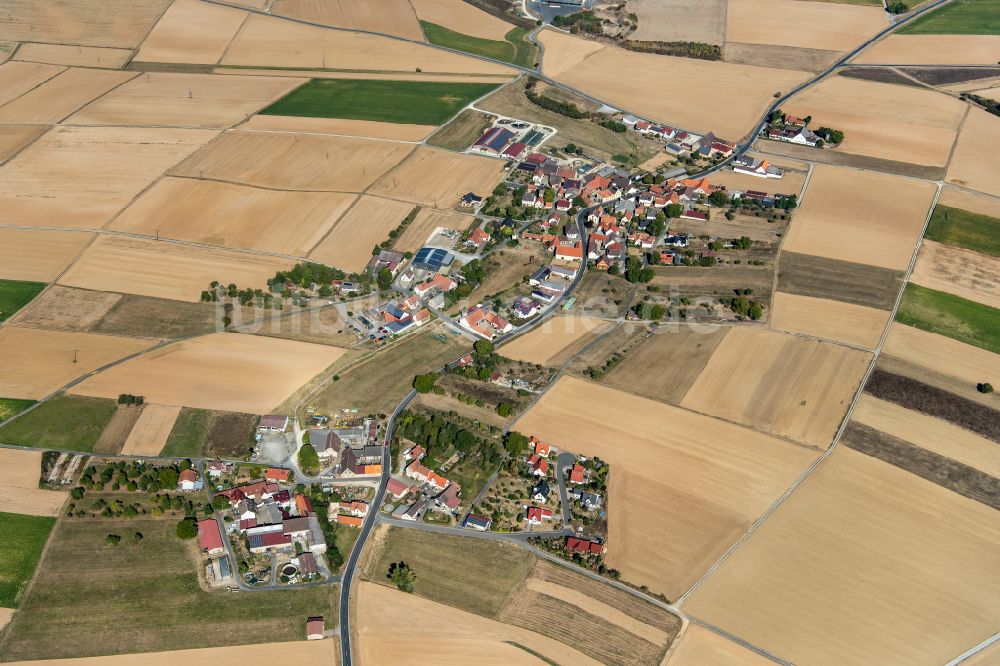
439, 178
390, 17
652, 87
349, 244
265, 41
191, 32
81, 176
831, 320
38, 256
234, 216
974, 164
841, 573
185, 100
61, 95
295, 161
781, 384
861, 217
718, 477
166, 270
220, 371
40, 362
902, 123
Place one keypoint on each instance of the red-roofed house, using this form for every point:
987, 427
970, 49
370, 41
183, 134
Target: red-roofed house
576, 474
584, 546
303, 506
438, 282
209, 537
397, 488
541, 448
415, 452
569, 250
483, 321
539, 465
277, 475
188, 480
315, 629
479, 238
537, 515
350, 521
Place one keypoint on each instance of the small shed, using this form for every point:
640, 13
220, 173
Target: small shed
315, 628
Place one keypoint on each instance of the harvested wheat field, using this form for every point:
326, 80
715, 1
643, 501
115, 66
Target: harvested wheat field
716, 477
864, 217
940, 354
265, 41
295, 161
554, 337
191, 32
38, 362
462, 17
349, 244
81, 176
150, 432
652, 87
5, 615
339, 126
680, 20
198, 100
958, 271
831, 320
19, 492
448, 635
320, 653
864, 563
902, 123
65, 309
114, 23
427, 220
498, 79
970, 201
78, 56
974, 164
782, 384
166, 270
678, 352
61, 95
17, 78
221, 371
928, 433
438, 178
698, 646
13, 138
390, 17
813, 25
932, 50
38, 256
235, 216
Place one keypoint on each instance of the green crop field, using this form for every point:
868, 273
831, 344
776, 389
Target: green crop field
960, 17
14, 295
67, 422
406, 102
23, 539
954, 317
514, 49
954, 226
11, 406
90, 598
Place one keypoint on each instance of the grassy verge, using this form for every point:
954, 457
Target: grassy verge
15, 294
964, 320
66, 422
23, 539
514, 48
961, 17
144, 597
954, 226
11, 406
406, 102
471, 574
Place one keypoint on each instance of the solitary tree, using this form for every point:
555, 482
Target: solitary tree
187, 529
309, 459
984, 387
402, 576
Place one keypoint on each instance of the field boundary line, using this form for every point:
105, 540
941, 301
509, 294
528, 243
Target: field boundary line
252, 186
65, 68
232, 40
843, 425
83, 106
954, 144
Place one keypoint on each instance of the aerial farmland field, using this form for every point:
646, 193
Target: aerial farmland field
19, 492
368, 221
191, 32
393, 17
438, 178
61, 95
